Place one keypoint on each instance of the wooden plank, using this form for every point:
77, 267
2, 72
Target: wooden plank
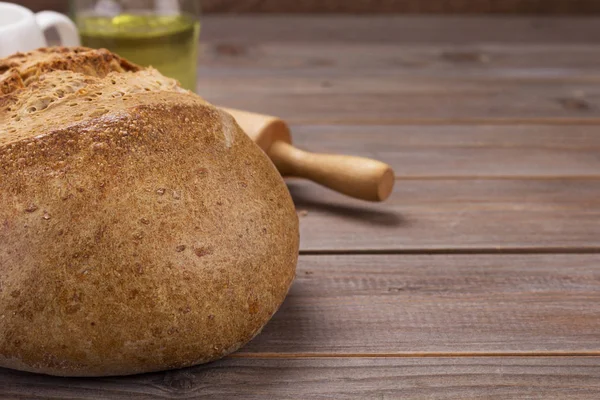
583, 7
454, 215
400, 29
328, 81
438, 304
404, 6
386, 304
320, 60
393, 100
414, 378
455, 151
342, 79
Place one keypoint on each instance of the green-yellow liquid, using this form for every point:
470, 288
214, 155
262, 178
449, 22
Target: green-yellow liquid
167, 43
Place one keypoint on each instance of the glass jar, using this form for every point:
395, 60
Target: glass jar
158, 33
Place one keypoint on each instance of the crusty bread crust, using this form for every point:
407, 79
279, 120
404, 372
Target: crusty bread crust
26, 68
140, 229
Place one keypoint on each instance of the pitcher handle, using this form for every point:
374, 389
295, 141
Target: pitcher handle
67, 31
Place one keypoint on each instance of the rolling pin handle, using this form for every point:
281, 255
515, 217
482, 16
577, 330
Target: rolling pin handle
357, 177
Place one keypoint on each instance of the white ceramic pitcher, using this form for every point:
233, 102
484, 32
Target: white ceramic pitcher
22, 30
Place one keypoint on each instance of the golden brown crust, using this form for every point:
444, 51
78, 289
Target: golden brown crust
155, 235
26, 68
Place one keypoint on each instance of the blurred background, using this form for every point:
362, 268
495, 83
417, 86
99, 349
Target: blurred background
548, 7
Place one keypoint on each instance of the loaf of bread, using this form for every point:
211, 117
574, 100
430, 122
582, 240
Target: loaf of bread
140, 229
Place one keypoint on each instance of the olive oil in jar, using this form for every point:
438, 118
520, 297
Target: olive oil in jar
168, 43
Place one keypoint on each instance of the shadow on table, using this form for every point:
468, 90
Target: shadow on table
310, 199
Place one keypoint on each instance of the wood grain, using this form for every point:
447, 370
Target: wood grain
373, 71
324, 59
459, 151
405, 6
438, 304
414, 378
397, 30
449, 215
375, 6
396, 100
491, 126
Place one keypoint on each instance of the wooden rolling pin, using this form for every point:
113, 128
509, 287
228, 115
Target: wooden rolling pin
357, 177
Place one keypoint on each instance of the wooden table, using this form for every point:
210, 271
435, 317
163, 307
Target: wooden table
480, 277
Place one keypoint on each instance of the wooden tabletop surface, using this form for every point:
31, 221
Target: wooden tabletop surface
480, 276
